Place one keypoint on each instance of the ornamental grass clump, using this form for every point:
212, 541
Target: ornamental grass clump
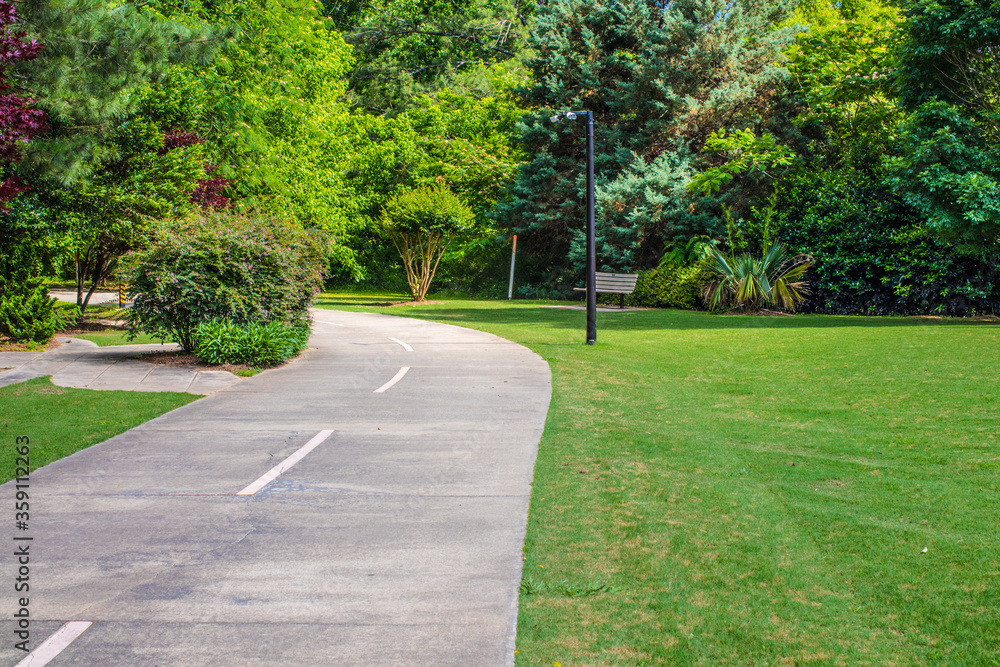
243, 268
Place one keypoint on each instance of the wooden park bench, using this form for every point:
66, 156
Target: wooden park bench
614, 283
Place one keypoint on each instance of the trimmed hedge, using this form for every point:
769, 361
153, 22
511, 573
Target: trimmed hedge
669, 286
875, 256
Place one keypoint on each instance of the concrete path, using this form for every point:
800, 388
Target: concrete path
395, 539
98, 298
82, 364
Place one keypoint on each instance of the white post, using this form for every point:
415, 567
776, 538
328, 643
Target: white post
513, 253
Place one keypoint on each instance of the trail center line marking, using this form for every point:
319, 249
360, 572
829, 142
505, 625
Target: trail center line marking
405, 346
271, 474
333, 324
395, 378
55, 644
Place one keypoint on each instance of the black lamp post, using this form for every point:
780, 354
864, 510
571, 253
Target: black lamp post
591, 250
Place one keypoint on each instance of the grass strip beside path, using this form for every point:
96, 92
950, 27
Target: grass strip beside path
60, 421
729, 490
111, 336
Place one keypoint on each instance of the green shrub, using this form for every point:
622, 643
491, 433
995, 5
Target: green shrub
257, 344
242, 268
669, 286
874, 254
27, 313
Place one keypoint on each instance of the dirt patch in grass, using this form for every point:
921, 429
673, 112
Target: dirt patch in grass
389, 304
7, 345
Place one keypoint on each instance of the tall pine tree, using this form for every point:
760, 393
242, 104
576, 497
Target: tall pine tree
659, 79
97, 55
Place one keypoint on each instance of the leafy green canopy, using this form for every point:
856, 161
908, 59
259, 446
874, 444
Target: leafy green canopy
111, 211
406, 49
458, 138
103, 170
96, 57
842, 72
271, 110
659, 79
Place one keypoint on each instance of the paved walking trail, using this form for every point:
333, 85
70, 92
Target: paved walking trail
82, 364
394, 540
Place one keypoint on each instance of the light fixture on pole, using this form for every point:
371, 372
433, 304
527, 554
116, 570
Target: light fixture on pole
591, 249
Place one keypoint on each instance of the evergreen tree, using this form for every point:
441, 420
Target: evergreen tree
97, 55
659, 79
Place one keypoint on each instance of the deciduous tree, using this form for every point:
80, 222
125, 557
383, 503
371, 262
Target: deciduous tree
422, 223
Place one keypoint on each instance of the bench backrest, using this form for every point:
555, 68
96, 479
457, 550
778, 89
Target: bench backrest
623, 283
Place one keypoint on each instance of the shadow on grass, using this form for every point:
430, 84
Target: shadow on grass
528, 313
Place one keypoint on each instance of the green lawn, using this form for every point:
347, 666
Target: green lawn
114, 337
729, 490
60, 421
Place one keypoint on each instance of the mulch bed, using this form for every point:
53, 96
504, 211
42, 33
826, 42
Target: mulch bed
178, 359
187, 360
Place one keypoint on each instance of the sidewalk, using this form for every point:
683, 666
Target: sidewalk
82, 364
98, 298
364, 505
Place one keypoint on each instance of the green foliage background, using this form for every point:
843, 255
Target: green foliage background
320, 112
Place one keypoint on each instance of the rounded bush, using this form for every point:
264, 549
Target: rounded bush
245, 269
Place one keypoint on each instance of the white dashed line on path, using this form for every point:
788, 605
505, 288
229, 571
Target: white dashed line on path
55, 644
271, 474
405, 346
395, 378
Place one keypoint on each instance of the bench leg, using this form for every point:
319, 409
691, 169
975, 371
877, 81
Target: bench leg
623, 301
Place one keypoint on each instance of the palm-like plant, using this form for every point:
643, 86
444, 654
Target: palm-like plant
749, 283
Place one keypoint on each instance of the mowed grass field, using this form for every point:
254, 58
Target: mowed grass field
59, 421
731, 490
111, 336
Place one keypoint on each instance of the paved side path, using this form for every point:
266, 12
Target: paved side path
394, 540
98, 298
82, 364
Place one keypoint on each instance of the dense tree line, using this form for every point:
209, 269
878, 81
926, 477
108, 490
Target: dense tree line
118, 117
